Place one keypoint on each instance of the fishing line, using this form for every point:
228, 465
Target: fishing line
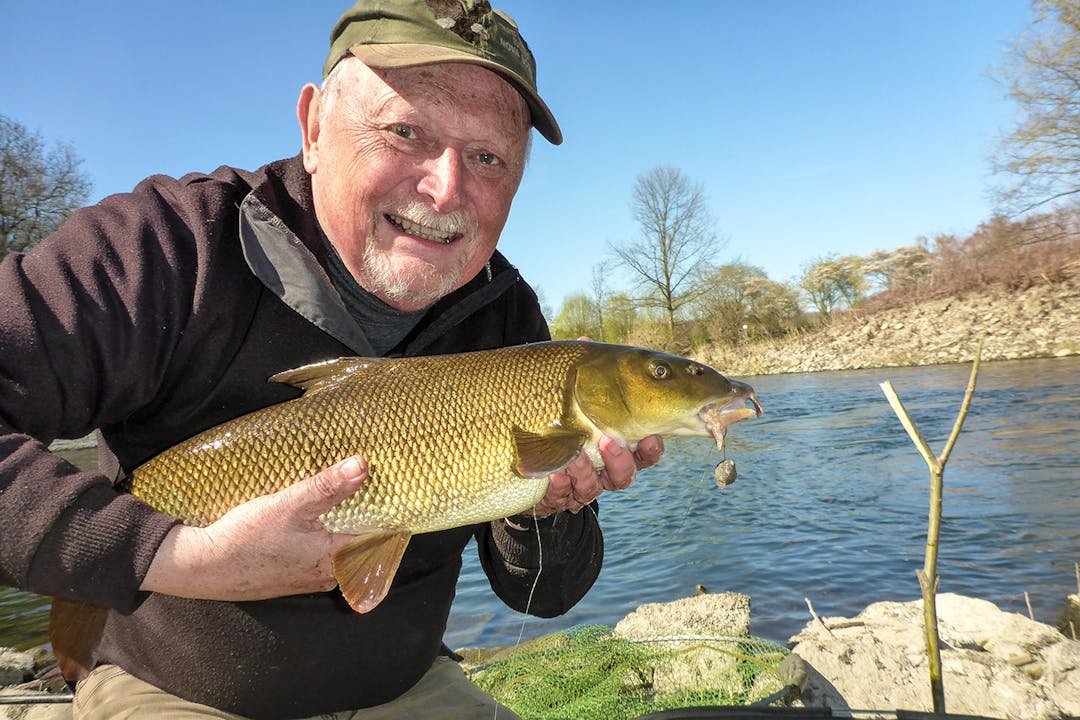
536, 580
532, 591
690, 502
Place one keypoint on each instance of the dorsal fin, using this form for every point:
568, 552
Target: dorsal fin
321, 375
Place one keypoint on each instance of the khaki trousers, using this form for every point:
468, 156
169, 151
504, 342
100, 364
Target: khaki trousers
443, 693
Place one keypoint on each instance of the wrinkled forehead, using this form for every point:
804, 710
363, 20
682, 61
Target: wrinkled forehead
471, 86
459, 88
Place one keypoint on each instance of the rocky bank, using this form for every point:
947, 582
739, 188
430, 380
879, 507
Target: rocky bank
23, 696
995, 664
1040, 321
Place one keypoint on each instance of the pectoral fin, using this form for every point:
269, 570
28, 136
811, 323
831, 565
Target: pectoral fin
74, 631
540, 454
365, 567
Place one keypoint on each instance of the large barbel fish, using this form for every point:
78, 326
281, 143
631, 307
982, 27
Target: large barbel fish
450, 440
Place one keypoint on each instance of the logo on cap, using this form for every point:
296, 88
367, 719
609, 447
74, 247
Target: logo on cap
464, 18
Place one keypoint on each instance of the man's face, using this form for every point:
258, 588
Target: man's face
413, 171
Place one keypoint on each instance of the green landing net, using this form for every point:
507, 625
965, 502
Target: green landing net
589, 673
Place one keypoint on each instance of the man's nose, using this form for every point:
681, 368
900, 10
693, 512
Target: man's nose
442, 180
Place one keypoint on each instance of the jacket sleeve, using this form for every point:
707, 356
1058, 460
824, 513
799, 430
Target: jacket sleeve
89, 319
565, 550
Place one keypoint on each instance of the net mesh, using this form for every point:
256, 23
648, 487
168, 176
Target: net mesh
588, 672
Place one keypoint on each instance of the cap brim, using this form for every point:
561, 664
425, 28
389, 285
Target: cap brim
401, 55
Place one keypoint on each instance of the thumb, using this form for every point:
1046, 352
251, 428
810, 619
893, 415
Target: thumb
313, 496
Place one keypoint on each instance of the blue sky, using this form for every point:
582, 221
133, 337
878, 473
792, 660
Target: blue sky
815, 127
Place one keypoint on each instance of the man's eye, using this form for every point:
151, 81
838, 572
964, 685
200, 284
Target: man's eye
405, 131
487, 158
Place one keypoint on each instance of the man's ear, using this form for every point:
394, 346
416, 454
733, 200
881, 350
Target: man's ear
307, 112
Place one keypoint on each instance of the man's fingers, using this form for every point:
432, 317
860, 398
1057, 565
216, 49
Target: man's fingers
580, 483
649, 451
325, 489
619, 465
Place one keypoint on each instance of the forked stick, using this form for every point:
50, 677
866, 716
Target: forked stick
928, 577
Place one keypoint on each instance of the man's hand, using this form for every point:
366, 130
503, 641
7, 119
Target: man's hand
268, 547
580, 483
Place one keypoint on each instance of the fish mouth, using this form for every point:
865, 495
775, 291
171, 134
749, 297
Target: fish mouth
424, 232
720, 415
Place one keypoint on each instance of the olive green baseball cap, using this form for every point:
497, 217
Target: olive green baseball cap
408, 33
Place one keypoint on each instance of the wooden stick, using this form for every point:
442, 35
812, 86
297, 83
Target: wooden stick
815, 616
1027, 599
905, 420
968, 394
928, 577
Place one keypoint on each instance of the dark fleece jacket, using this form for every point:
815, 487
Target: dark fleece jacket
159, 313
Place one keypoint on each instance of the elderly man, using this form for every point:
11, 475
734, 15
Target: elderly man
162, 312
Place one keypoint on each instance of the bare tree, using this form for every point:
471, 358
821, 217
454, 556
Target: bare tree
831, 281
725, 309
38, 189
774, 307
620, 317
599, 297
903, 267
576, 318
1042, 75
677, 239
545, 307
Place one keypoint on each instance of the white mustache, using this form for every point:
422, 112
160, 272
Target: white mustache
452, 223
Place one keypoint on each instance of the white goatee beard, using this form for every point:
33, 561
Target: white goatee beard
412, 282
408, 281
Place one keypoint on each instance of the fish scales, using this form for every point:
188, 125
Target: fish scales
436, 432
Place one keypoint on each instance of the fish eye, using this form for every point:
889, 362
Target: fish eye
660, 371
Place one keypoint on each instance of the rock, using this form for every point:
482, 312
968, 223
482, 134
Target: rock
696, 666
1062, 671
15, 667
994, 663
705, 614
34, 711
1070, 618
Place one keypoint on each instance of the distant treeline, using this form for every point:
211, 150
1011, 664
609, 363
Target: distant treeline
740, 303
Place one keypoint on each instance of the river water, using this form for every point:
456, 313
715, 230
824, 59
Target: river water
830, 504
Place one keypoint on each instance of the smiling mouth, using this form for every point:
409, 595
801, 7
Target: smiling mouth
422, 231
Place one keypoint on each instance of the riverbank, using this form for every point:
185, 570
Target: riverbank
1039, 321
996, 664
